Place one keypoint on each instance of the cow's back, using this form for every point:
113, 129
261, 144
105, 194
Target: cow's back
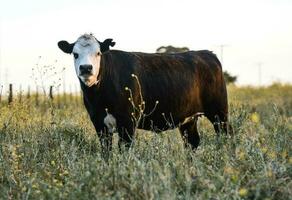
183, 83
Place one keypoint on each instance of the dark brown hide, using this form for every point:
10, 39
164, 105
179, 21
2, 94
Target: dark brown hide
184, 84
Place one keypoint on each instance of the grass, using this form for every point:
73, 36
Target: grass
52, 152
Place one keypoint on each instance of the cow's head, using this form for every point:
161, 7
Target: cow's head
87, 51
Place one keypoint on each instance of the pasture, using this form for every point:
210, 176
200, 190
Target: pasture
52, 152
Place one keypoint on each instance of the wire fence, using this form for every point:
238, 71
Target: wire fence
40, 96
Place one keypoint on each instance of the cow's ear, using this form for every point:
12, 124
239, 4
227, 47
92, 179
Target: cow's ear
105, 45
66, 46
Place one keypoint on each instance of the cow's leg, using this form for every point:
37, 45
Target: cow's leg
125, 138
190, 133
126, 132
220, 122
105, 138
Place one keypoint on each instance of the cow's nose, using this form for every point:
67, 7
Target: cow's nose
85, 69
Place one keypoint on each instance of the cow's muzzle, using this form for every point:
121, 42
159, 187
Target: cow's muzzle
85, 70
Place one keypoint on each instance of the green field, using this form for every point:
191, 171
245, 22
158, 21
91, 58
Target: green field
52, 152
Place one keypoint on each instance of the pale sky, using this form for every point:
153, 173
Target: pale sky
254, 31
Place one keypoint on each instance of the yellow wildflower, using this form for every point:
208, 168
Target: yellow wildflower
270, 173
34, 186
284, 154
234, 178
241, 155
255, 117
23, 189
65, 172
272, 155
264, 149
242, 192
59, 184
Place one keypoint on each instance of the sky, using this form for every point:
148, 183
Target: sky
256, 34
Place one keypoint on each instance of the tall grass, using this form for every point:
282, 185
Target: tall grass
51, 152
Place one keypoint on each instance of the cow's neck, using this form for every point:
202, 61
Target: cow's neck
91, 94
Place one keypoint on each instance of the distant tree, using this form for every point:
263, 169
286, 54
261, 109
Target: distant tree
229, 78
171, 49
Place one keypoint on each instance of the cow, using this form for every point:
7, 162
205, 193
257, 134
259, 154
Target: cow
123, 91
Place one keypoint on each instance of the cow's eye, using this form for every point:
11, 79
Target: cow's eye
75, 55
98, 54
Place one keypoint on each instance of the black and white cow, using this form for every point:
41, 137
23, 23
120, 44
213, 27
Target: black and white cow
171, 90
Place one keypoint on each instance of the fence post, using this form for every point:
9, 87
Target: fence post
64, 95
76, 95
37, 96
28, 93
10, 96
20, 94
58, 98
51, 93
1, 89
70, 94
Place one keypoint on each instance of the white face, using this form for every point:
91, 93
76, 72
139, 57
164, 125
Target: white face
87, 53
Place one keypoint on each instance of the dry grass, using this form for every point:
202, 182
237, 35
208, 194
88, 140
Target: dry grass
53, 153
